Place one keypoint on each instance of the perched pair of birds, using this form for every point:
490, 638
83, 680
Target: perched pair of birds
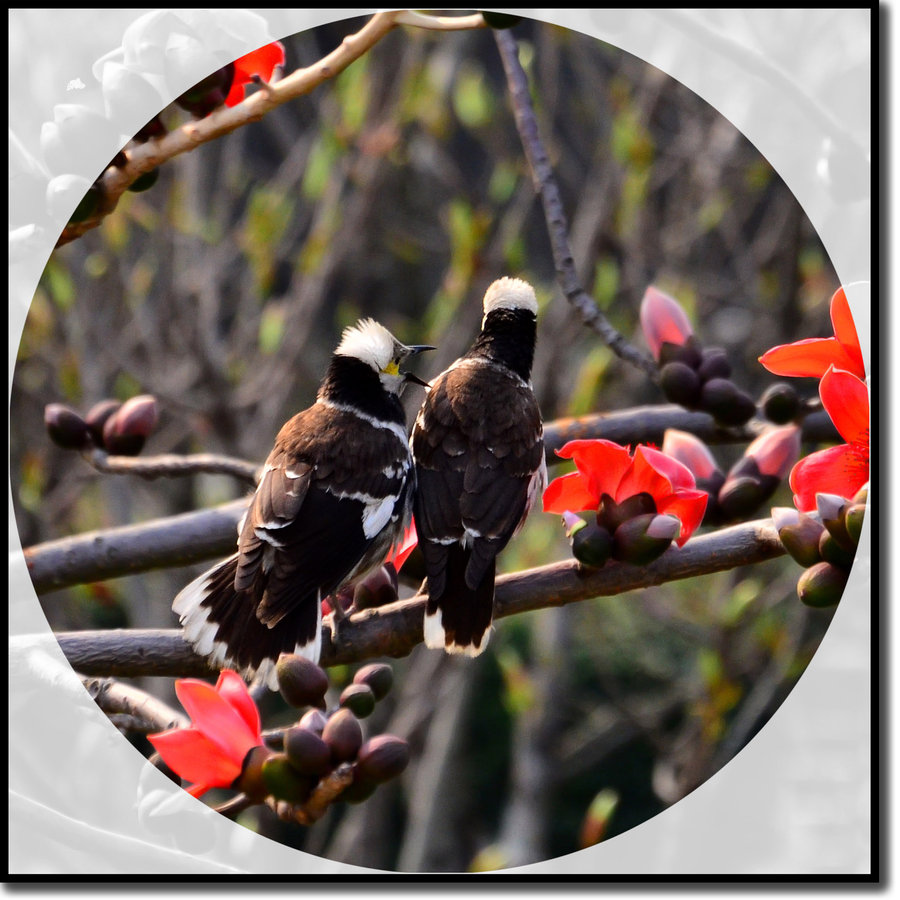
339, 487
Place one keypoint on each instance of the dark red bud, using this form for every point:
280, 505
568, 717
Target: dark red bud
680, 383
726, 403
300, 681
306, 751
97, 417
343, 735
359, 699
144, 182
378, 676
853, 521
642, 539
780, 403
251, 780
382, 757
714, 364
66, 428
831, 551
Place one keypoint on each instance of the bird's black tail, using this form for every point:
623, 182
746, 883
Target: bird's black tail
221, 624
458, 616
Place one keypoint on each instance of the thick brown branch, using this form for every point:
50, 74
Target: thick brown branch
394, 630
557, 225
209, 534
114, 552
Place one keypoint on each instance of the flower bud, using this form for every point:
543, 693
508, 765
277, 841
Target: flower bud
740, 496
381, 758
690, 451
714, 364
359, 699
831, 509
642, 539
378, 676
853, 521
300, 681
251, 780
780, 403
343, 735
126, 430
306, 751
663, 320
799, 535
152, 130
862, 495
313, 720
377, 588
725, 402
822, 585
776, 450
831, 551
680, 383
66, 428
690, 353
97, 416
209, 93
591, 543
611, 514
284, 782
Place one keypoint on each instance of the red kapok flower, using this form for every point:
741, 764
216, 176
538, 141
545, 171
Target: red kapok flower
402, 549
608, 468
690, 451
663, 321
844, 469
261, 62
225, 728
813, 356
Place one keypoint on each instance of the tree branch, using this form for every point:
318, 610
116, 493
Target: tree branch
210, 534
557, 225
151, 154
115, 698
111, 553
394, 630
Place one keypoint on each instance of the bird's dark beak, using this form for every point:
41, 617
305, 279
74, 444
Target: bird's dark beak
410, 376
419, 348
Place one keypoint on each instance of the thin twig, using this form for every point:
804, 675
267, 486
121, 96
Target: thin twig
557, 225
394, 630
151, 154
169, 465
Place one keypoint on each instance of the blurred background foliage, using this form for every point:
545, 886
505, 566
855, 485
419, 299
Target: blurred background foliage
399, 190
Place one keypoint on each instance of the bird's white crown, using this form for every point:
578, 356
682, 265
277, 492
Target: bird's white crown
370, 342
510, 293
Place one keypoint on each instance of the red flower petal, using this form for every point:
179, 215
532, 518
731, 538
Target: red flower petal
809, 358
602, 462
260, 62
232, 688
845, 332
644, 476
776, 450
674, 471
846, 400
569, 493
688, 506
404, 546
193, 756
841, 470
212, 715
